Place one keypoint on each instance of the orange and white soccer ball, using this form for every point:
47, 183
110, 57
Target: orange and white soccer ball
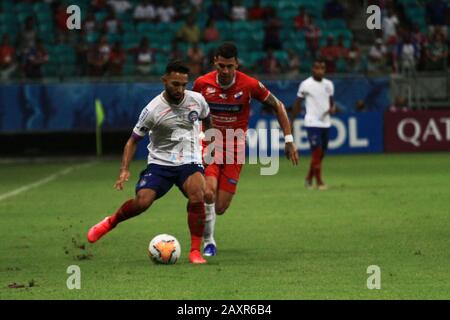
165, 249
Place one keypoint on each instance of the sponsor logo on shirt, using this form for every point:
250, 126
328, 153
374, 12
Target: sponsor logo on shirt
225, 119
238, 95
210, 90
218, 107
223, 96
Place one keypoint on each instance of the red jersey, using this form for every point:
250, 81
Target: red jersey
230, 108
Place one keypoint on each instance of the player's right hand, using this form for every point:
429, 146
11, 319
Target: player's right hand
124, 175
291, 153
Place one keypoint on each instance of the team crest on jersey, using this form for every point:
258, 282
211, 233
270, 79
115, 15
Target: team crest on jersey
328, 90
193, 116
238, 95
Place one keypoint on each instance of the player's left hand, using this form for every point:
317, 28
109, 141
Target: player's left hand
333, 109
291, 152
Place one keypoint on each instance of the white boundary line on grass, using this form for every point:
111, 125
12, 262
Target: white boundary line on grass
44, 181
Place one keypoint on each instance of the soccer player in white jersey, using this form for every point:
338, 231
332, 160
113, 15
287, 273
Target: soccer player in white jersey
172, 121
317, 92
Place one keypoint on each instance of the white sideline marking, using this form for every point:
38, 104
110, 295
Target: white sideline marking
44, 181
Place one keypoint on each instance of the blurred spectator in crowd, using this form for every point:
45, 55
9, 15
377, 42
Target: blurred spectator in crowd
217, 11
301, 21
99, 5
97, 61
400, 104
256, 12
312, 37
116, 60
7, 59
408, 54
166, 12
421, 41
210, 33
145, 57
293, 66
389, 26
333, 10
197, 4
189, 32
82, 51
238, 11
28, 35
184, 9
436, 11
89, 24
272, 29
360, 106
377, 57
144, 12
120, 6
354, 58
329, 53
111, 24
104, 46
34, 58
270, 64
437, 53
61, 17
195, 57
175, 52
341, 50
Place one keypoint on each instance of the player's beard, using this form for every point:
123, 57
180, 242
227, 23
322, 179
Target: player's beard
174, 99
225, 80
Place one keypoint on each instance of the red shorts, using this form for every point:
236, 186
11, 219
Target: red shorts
227, 175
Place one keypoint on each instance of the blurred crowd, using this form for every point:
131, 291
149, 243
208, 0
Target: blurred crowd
99, 50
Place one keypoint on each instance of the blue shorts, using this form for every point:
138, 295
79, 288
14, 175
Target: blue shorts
161, 178
318, 137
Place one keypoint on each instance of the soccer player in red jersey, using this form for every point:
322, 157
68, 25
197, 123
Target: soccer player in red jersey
229, 93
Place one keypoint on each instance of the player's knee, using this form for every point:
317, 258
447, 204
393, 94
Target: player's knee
197, 196
221, 208
209, 196
143, 202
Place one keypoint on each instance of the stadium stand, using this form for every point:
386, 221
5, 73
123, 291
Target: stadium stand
414, 35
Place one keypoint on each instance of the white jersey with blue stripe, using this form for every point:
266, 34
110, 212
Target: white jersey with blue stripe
173, 129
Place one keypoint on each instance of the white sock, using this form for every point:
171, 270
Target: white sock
210, 222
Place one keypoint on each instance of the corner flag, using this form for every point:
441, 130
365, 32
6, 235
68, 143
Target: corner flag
100, 118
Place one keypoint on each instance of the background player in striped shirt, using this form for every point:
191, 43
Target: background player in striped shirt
229, 93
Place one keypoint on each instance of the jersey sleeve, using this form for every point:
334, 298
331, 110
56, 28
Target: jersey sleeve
144, 124
300, 92
331, 89
197, 87
258, 90
204, 113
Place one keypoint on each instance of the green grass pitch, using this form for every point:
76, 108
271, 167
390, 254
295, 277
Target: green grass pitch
277, 241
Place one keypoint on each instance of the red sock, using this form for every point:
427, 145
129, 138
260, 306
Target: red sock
126, 211
317, 156
310, 172
196, 222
